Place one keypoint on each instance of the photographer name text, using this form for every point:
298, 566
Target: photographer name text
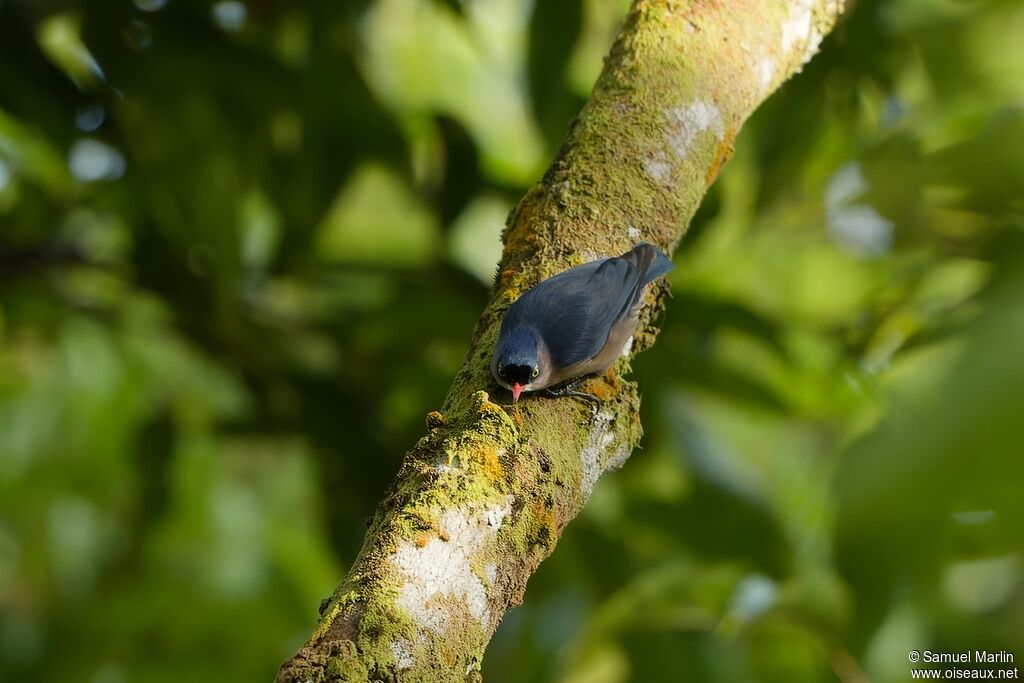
965, 657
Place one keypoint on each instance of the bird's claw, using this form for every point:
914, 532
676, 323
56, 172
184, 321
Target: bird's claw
569, 389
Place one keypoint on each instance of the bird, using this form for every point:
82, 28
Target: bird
575, 323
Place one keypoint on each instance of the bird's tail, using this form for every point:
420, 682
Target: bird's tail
649, 261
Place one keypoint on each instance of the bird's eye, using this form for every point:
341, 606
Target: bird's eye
533, 375
501, 371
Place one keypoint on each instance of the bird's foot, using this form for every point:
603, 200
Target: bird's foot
569, 389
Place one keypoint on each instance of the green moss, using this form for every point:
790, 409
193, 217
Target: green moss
347, 667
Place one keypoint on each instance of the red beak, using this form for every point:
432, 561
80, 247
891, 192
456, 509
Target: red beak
516, 390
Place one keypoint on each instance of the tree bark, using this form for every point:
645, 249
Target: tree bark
482, 499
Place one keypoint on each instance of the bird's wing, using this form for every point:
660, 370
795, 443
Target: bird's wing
579, 307
575, 310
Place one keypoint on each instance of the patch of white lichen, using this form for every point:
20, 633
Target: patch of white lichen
683, 127
438, 577
594, 455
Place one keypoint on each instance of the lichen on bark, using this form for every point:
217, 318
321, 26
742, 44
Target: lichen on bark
483, 497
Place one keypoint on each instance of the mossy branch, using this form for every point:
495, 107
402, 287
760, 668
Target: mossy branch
482, 499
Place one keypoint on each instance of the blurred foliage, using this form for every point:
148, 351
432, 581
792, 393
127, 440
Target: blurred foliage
242, 248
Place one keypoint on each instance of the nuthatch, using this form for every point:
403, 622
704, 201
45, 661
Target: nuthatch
575, 323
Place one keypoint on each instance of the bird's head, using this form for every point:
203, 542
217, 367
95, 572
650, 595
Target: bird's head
519, 361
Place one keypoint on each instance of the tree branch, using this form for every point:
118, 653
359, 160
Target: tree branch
484, 496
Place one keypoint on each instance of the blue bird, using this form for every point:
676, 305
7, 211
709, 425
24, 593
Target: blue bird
575, 323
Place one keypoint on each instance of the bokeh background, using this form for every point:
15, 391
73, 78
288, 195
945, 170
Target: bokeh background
242, 249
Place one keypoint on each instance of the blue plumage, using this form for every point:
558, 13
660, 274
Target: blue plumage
576, 322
